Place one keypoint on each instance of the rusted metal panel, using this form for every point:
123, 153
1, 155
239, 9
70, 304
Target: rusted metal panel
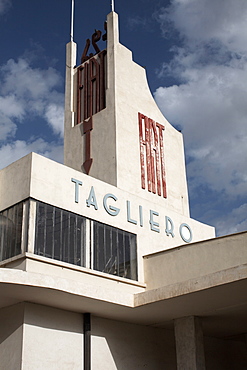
84, 56
85, 91
94, 90
157, 158
162, 157
148, 152
79, 93
142, 151
87, 128
95, 38
152, 128
91, 89
102, 84
153, 173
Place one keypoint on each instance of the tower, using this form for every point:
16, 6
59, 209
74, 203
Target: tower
114, 130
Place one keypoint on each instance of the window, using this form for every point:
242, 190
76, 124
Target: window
67, 237
114, 251
60, 234
11, 231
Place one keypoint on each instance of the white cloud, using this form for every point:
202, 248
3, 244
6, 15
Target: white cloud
235, 221
19, 148
208, 20
4, 6
34, 83
212, 112
9, 109
134, 22
7, 127
30, 91
210, 103
55, 117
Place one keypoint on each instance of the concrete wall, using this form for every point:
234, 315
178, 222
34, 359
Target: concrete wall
33, 336
11, 334
15, 181
195, 260
120, 346
225, 354
40, 337
53, 339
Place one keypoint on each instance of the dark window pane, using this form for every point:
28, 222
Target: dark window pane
11, 231
40, 229
99, 241
133, 257
18, 230
120, 247
72, 241
49, 245
59, 234
80, 241
114, 251
65, 236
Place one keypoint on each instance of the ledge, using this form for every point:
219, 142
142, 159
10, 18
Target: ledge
13, 263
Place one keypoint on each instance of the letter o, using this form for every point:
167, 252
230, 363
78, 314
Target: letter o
186, 236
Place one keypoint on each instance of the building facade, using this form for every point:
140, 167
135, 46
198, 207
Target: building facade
102, 266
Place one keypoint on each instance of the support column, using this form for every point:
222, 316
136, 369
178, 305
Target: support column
87, 341
189, 344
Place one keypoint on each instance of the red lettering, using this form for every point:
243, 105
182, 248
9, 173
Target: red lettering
91, 87
152, 155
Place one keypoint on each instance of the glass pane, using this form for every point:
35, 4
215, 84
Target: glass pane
49, 243
18, 230
120, 251
59, 234
11, 231
72, 242
99, 252
114, 251
65, 236
62, 235
127, 255
40, 229
80, 241
133, 257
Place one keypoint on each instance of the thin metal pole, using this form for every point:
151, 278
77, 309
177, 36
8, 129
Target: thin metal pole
87, 341
112, 5
72, 20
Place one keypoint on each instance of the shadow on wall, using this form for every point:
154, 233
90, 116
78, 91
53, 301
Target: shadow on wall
11, 331
123, 346
127, 346
225, 354
11, 320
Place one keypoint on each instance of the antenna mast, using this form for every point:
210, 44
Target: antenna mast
112, 5
72, 20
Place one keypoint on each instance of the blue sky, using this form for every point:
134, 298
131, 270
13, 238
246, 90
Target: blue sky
195, 54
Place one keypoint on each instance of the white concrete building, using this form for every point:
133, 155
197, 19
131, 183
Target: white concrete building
101, 265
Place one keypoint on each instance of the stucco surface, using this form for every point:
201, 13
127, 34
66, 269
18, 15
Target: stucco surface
51, 183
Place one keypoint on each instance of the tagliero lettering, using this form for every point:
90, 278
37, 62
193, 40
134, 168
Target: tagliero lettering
110, 206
